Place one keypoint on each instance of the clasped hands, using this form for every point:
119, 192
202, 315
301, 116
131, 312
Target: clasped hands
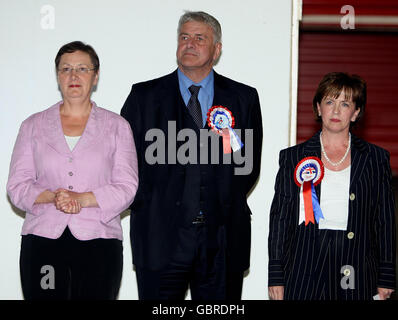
67, 201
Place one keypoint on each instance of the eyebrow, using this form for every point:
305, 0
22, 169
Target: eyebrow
196, 34
80, 64
344, 100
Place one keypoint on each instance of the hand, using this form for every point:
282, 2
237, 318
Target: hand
45, 197
67, 201
72, 207
384, 293
276, 292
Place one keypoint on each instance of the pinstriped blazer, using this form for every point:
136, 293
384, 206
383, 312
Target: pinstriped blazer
310, 262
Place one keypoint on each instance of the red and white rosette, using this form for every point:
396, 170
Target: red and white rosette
308, 173
221, 120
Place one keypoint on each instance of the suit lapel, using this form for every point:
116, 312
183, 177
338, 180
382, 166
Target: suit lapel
55, 136
313, 149
94, 128
223, 96
359, 159
170, 100
52, 128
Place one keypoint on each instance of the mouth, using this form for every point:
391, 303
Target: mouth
190, 54
335, 120
74, 86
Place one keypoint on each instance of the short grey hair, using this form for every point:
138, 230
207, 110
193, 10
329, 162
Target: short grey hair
200, 16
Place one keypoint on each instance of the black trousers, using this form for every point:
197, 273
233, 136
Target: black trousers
193, 265
70, 269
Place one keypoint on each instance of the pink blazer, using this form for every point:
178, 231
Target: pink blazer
103, 161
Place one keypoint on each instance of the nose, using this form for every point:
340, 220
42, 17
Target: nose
190, 42
336, 108
73, 73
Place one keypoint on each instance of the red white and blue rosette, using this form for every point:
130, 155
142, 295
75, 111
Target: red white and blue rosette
221, 120
308, 173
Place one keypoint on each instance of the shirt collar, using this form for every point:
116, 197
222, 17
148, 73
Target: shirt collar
206, 84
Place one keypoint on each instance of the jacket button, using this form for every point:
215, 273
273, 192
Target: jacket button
350, 235
352, 196
70, 187
71, 173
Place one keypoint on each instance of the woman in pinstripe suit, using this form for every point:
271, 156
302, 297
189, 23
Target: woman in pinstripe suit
343, 249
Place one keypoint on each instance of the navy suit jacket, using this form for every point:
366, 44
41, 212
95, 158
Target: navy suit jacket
310, 262
160, 208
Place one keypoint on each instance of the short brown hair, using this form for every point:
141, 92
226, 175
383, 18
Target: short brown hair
333, 83
78, 46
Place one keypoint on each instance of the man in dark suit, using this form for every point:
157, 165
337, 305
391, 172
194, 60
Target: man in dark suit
190, 222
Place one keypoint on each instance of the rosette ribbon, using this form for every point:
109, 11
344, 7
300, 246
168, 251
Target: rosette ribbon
221, 120
309, 172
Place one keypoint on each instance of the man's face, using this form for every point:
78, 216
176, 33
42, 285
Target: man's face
196, 49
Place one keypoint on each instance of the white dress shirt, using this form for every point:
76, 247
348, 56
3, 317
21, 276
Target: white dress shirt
334, 202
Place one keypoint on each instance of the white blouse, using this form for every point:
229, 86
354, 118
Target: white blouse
72, 141
334, 203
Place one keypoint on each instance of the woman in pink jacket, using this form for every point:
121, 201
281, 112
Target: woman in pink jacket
73, 170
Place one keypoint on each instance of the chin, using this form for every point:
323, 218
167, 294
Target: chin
189, 61
74, 97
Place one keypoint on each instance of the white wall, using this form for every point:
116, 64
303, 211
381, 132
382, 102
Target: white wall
136, 41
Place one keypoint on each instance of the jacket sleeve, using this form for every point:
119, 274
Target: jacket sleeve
280, 221
131, 112
257, 126
385, 226
248, 173
22, 185
117, 196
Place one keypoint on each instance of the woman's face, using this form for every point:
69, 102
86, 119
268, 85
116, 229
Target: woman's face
76, 77
337, 113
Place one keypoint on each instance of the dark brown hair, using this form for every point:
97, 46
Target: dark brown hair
332, 84
78, 46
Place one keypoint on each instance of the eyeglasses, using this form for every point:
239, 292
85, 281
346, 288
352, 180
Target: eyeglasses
78, 70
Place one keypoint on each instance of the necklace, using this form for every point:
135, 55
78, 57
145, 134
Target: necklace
335, 164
